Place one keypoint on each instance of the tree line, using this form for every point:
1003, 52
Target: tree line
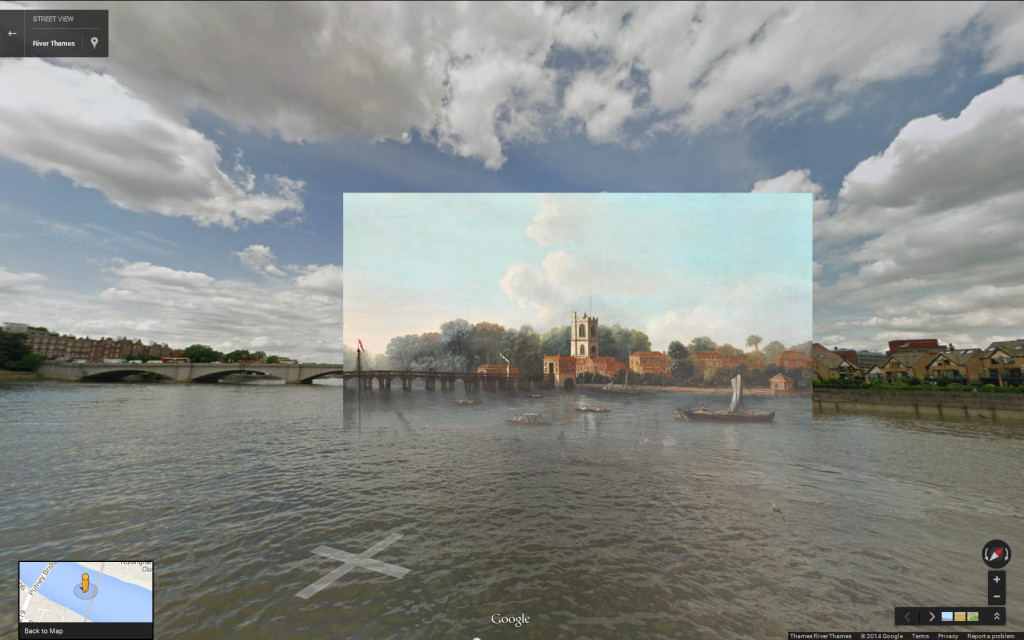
460, 346
202, 353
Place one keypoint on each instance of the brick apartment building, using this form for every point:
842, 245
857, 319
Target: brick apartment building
68, 347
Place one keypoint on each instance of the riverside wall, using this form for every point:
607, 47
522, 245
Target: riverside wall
1008, 407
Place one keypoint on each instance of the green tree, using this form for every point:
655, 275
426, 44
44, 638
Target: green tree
200, 353
487, 338
730, 351
609, 343
457, 336
236, 355
402, 352
638, 342
709, 377
27, 362
272, 359
803, 347
523, 349
430, 353
682, 370
757, 359
677, 351
754, 340
701, 344
556, 342
13, 347
773, 349
724, 376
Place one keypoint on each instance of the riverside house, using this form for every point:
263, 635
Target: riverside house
1000, 365
960, 366
903, 366
829, 365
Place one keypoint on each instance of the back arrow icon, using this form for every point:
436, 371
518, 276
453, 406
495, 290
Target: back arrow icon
11, 33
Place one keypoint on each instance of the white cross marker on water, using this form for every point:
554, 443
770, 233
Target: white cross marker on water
364, 560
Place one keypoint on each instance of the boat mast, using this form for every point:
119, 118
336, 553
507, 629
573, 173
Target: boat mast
359, 396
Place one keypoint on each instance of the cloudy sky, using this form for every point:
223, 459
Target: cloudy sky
673, 265
189, 187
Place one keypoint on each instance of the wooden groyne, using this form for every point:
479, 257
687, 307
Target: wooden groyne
1008, 407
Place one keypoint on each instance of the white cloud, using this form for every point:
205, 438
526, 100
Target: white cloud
470, 77
477, 77
765, 305
937, 216
709, 62
260, 259
92, 129
157, 303
600, 103
563, 279
1006, 41
15, 282
558, 221
796, 181
935, 164
325, 279
943, 193
546, 288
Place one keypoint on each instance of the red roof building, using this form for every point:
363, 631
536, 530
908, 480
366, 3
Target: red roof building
710, 360
916, 344
782, 383
794, 360
562, 367
602, 365
648, 362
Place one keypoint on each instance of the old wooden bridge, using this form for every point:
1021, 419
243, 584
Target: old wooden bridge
448, 380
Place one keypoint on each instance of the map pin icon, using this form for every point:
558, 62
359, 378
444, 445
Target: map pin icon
95, 41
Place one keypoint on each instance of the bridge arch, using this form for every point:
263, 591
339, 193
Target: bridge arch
568, 384
216, 376
321, 374
116, 375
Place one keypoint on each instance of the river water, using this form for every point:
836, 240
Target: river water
593, 527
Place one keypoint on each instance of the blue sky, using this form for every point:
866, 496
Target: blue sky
189, 187
673, 265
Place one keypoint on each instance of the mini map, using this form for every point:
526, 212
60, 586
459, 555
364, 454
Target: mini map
85, 591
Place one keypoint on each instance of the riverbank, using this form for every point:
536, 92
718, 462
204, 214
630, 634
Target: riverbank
728, 390
922, 404
19, 376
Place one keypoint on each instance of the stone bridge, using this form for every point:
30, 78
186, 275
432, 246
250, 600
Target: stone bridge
184, 372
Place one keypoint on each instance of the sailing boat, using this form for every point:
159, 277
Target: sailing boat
623, 388
733, 414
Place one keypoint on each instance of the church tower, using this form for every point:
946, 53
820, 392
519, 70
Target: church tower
584, 337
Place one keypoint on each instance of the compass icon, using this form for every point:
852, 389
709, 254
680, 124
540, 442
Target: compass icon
996, 554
